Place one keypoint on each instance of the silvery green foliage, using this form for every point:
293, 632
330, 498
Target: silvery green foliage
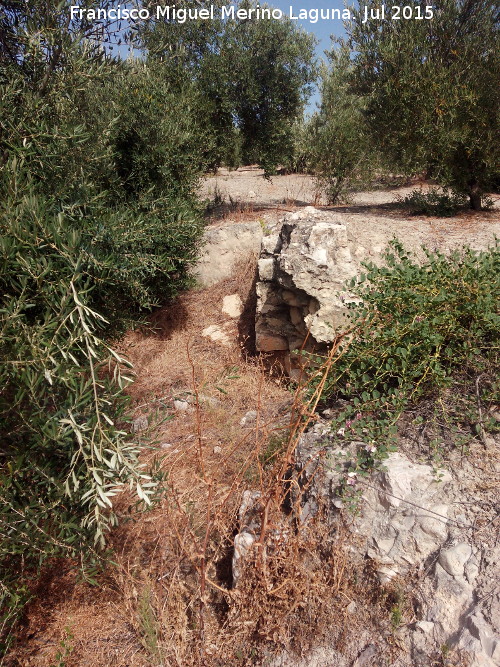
87, 245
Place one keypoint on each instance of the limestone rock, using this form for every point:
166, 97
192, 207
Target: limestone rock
404, 515
479, 640
406, 526
266, 268
302, 273
232, 305
223, 248
210, 401
249, 524
425, 626
249, 418
216, 334
453, 559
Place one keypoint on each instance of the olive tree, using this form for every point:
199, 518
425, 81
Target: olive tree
254, 75
340, 152
433, 89
99, 221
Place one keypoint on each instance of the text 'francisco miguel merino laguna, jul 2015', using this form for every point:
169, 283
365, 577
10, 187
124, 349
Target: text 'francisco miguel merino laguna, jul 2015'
227, 12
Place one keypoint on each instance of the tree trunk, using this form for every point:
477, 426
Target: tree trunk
475, 197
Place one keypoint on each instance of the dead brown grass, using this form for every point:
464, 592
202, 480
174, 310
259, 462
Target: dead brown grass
169, 598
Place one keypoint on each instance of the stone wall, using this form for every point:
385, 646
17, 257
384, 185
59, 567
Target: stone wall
303, 268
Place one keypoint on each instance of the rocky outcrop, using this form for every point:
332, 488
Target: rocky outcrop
302, 270
408, 525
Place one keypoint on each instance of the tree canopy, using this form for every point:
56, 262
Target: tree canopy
254, 76
100, 160
433, 90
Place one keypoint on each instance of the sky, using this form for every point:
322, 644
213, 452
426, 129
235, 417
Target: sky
323, 28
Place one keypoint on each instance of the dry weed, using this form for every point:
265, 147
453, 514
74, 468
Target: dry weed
169, 598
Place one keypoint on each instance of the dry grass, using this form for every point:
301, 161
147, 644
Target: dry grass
169, 598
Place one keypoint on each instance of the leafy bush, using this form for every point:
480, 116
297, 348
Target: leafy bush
125, 165
64, 454
444, 203
87, 244
422, 330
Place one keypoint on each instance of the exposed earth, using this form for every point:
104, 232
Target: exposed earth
372, 216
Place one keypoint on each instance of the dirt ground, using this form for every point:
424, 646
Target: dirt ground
195, 393
373, 218
215, 386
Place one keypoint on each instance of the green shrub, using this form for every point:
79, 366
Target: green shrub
64, 453
121, 156
422, 330
443, 203
87, 245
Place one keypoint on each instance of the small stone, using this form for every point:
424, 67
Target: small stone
232, 305
351, 607
293, 299
181, 406
216, 334
296, 316
386, 572
471, 570
217, 450
251, 194
243, 543
425, 626
270, 343
266, 268
139, 424
166, 445
366, 656
384, 546
249, 419
453, 560
434, 525
270, 243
